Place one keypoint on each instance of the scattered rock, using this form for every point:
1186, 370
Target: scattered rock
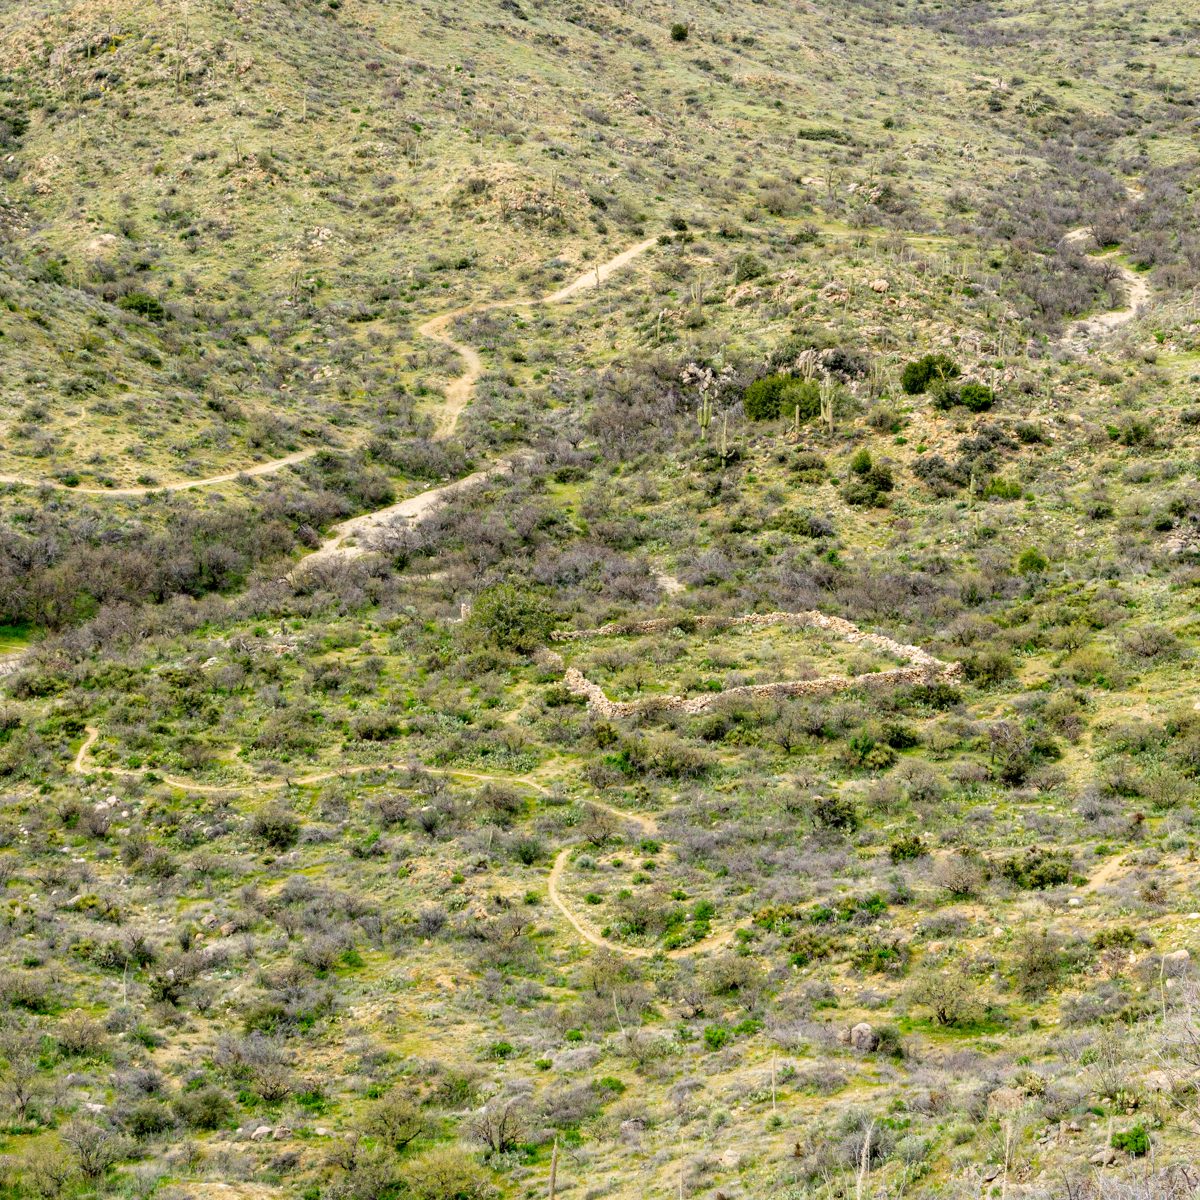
1104, 1158
863, 1037
632, 1130
879, 285
261, 1133
1176, 962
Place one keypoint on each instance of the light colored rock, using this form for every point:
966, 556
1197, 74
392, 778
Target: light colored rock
261, 1133
863, 1037
1176, 963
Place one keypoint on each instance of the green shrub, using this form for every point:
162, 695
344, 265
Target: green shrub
206, 1108
144, 305
511, 617
919, 374
869, 482
1032, 561
679, 31
444, 1173
275, 827
716, 1036
976, 396
835, 812
782, 395
748, 266
860, 464
1135, 1141
907, 847
997, 488
1037, 868
147, 1118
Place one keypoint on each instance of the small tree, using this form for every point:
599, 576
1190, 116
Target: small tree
499, 1125
950, 997
95, 1147
20, 1049
447, 1173
919, 374
398, 1119
512, 617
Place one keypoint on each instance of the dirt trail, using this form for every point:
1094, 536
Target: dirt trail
351, 539
457, 396
645, 823
458, 391
1112, 869
181, 485
11, 663
80, 767
586, 930
346, 540
1137, 296
591, 934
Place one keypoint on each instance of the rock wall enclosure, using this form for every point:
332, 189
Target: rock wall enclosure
923, 667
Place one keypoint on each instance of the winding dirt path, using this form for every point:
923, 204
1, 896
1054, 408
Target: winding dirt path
588, 932
181, 485
458, 392
1100, 325
457, 396
347, 539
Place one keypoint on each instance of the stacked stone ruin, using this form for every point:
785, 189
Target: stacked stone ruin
923, 667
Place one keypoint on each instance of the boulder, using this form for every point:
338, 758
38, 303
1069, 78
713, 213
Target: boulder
1176, 963
863, 1037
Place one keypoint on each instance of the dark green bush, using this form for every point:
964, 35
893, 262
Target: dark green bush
512, 617
144, 305
782, 395
920, 373
1135, 1141
1037, 868
869, 482
977, 397
679, 31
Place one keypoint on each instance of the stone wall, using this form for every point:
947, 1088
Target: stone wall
598, 703
924, 668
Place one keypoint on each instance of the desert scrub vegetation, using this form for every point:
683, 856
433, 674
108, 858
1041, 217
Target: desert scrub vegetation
315, 884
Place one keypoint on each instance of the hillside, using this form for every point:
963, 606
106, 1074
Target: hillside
599, 600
